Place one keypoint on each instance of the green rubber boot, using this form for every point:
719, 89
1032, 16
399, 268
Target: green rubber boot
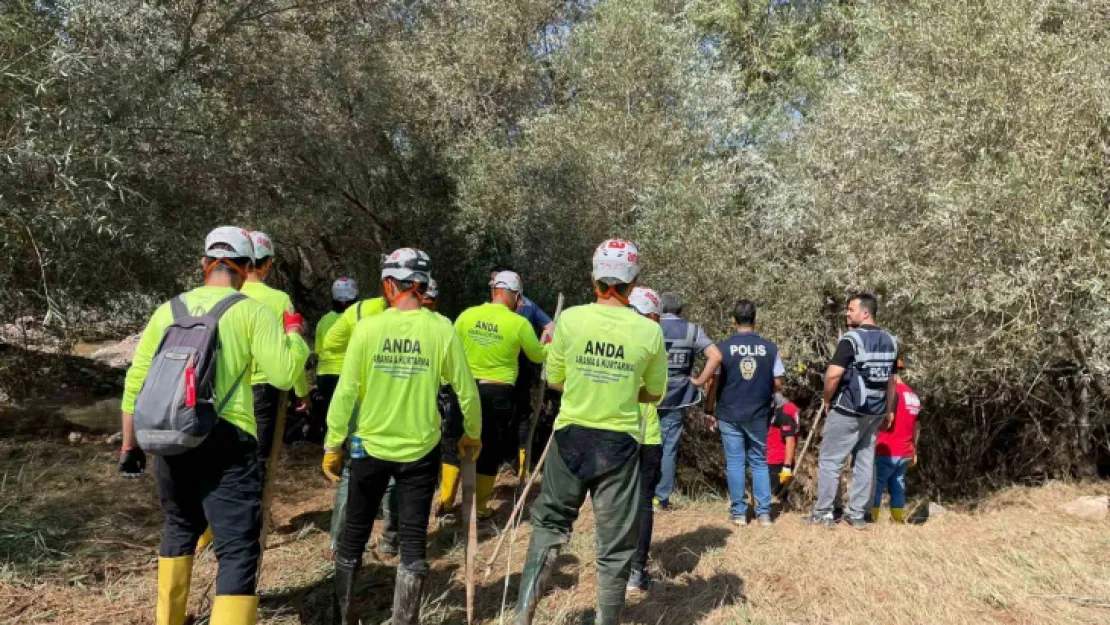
533, 582
609, 614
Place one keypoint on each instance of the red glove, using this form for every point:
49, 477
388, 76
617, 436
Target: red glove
294, 323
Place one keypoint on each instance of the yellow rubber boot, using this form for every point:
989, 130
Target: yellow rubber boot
174, 575
205, 540
875, 514
523, 469
448, 487
483, 492
898, 515
234, 610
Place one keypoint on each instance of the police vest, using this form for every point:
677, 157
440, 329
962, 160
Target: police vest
863, 389
681, 339
747, 379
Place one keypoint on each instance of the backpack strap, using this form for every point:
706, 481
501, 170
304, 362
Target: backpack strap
358, 311
223, 305
216, 313
234, 389
179, 307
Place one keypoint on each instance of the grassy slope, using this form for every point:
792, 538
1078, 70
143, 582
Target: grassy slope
77, 546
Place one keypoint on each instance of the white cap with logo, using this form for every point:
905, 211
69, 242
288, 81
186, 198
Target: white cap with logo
407, 265
263, 246
508, 280
617, 260
344, 289
236, 239
645, 301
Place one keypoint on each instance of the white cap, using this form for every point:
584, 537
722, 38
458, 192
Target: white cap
508, 280
344, 289
617, 259
645, 301
263, 246
407, 264
432, 291
237, 239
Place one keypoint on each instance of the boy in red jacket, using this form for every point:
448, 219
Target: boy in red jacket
895, 452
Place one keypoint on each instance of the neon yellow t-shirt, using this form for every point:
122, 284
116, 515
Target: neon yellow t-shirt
492, 337
392, 372
653, 433
248, 333
330, 363
603, 355
279, 302
340, 334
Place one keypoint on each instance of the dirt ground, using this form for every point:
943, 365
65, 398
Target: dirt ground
78, 546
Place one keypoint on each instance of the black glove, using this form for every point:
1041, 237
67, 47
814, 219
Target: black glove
132, 462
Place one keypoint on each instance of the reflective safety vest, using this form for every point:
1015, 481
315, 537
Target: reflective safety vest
681, 339
863, 389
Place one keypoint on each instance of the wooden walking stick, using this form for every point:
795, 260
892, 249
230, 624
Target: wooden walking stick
802, 454
517, 509
271, 470
539, 401
470, 509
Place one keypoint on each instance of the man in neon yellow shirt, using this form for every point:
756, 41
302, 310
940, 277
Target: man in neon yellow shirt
646, 302
607, 360
344, 292
340, 333
392, 374
493, 336
216, 482
266, 395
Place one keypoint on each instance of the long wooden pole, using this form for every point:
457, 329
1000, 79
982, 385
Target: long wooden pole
538, 406
517, 509
802, 454
271, 471
469, 488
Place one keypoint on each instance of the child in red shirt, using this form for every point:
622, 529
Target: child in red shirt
895, 452
781, 442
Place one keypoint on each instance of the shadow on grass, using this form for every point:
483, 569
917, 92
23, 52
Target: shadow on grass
681, 554
685, 601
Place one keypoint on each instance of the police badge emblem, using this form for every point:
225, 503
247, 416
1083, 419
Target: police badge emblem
747, 367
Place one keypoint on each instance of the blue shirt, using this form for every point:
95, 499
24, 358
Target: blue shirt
535, 315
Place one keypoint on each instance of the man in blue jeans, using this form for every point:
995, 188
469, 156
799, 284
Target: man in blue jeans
744, 391
684, 340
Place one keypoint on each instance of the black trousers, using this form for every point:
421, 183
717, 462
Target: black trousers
416, 485
651, 469
498, 427
215, 484
451, 427
327, 383
265, 417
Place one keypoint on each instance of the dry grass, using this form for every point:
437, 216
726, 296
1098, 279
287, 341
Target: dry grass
77, 546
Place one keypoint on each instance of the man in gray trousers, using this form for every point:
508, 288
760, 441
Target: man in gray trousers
859, 398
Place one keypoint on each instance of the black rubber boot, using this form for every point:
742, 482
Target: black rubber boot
407, 596
533, 583
345, 573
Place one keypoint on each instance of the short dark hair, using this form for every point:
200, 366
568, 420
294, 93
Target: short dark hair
670, 303
744, 312
867, 302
